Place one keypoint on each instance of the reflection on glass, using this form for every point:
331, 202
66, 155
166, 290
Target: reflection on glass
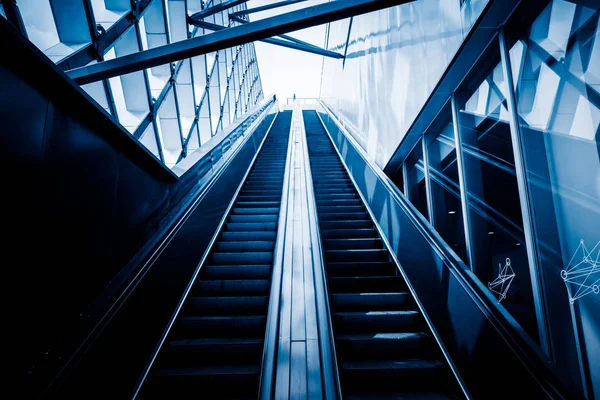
398, 178
556, 68
415, 179
496, 227
445, 187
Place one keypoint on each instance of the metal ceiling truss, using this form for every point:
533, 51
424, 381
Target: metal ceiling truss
230, 37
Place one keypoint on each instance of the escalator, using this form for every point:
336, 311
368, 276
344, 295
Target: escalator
216, 344
384, 347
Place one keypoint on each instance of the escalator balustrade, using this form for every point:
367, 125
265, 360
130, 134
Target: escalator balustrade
384, 348
215, 347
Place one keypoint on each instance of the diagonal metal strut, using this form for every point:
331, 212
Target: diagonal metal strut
292, 39
265, 7
230, 37
217, 8
292, 44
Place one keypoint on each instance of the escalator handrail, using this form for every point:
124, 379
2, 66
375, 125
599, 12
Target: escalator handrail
222, 142
413, 293
208, 251
328, 351
522, 346
267, 371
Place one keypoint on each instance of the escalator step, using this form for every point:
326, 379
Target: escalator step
340, 202
215, 351
183, 381
377, 268
376, 321
221, 325
342, 216
349, 224
384, 346
240, 258
357, 255
348, 233
383, 375
336, 196
237, 271
231, 287
371, 284
370, 301
398, 396
341, 209
254, 204
249, 226
248, 246
256, 210
353, 244
248, 235
334, 185
253, 218
259, 198
227, 305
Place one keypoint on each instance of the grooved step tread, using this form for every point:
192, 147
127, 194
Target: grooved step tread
390, 365
212, 370
397, 396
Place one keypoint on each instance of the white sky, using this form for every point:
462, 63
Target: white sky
285, 71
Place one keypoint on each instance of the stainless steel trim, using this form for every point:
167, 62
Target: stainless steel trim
428, 191
329, 364
464, 198
206, 253
524, 196
272, 331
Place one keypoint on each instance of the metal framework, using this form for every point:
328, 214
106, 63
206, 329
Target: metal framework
265, 7
296, 44
234, 36
173, 108
216, 9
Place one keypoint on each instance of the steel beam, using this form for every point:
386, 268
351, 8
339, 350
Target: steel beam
230, 37
95, 51
302, 46
294, 40
207, 12
11, 9
265, 7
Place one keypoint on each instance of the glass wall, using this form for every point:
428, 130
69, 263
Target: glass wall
172, 109
556, 68
526, 149
415, 180
444, 182
394, 59
494, 210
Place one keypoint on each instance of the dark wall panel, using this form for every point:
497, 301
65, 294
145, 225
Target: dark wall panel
117, 359
80, 199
